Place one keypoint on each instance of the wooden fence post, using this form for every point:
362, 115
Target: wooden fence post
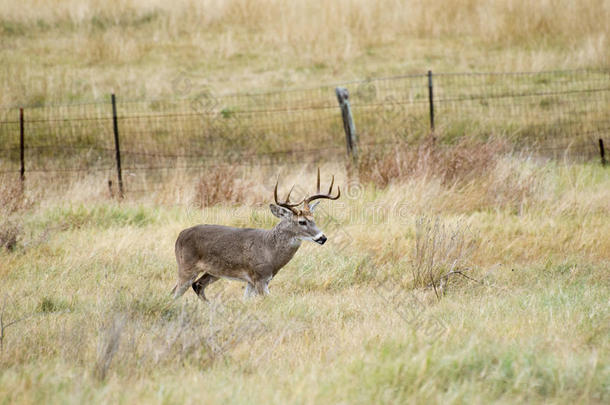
115, 125
22, 147
431, 100
602, 151
348, 122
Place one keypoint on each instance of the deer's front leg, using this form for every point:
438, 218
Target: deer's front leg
266, 288
262, 285
259, 280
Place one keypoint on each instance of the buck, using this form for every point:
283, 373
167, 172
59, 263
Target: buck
253, 256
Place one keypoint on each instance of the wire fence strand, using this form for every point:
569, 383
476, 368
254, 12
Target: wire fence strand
550, 112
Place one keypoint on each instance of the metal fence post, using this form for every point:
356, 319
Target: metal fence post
602, 151
431, 100
348, 122
22, 146
115, 125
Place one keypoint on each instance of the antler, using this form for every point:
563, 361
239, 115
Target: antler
325, 196
286, 203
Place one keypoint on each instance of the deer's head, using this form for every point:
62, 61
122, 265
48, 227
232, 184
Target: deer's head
300, 220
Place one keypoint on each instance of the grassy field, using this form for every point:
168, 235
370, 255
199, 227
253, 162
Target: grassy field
85, 311
344, 323
57, 51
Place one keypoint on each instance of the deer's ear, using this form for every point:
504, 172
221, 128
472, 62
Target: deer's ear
280, 212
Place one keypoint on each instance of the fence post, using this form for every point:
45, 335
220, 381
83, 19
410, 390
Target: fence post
348, 122
115, 125
22, 147
602, 151
431, 100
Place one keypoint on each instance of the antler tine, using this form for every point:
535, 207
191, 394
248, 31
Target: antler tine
275, 192
287, 203
325, 196
288, 196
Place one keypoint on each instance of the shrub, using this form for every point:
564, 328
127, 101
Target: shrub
12, 198
221, 184
9, 233
452, 164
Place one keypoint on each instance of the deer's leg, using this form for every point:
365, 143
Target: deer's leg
180, 289
249, 291
200, 285
262, 286
185, 279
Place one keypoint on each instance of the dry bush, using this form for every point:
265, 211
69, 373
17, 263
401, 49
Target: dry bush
451, 164
441, 250
12, 198
9, 233
221, 184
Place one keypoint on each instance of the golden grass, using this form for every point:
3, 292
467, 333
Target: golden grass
74, 50
343, 323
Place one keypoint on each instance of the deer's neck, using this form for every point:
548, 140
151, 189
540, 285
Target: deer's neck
284, 243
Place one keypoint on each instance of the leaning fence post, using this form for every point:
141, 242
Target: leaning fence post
115, 125
22, 147
602, 151
348, 122
431, 100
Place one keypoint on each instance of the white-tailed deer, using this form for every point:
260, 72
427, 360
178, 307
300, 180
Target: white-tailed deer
245, 254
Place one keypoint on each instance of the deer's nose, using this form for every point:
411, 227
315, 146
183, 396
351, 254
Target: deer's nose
321, 239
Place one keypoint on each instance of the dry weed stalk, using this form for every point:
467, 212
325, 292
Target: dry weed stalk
441, 251
4, 325
108, 346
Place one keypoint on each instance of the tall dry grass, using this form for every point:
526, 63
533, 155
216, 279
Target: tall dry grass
136, 47
97, 323
321, 24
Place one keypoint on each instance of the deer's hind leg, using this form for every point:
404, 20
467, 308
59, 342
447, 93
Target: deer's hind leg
249, 290
185, 280
200, 285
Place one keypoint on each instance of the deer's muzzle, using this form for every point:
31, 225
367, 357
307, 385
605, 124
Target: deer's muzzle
320, 239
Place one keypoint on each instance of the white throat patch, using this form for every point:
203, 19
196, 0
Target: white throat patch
295, 242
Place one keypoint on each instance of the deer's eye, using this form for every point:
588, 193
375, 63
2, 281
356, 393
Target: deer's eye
302, 222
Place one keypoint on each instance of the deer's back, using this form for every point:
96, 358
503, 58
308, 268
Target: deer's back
218, 245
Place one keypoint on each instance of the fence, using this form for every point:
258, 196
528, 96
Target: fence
553, 112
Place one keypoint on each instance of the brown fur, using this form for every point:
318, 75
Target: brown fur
250, 255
